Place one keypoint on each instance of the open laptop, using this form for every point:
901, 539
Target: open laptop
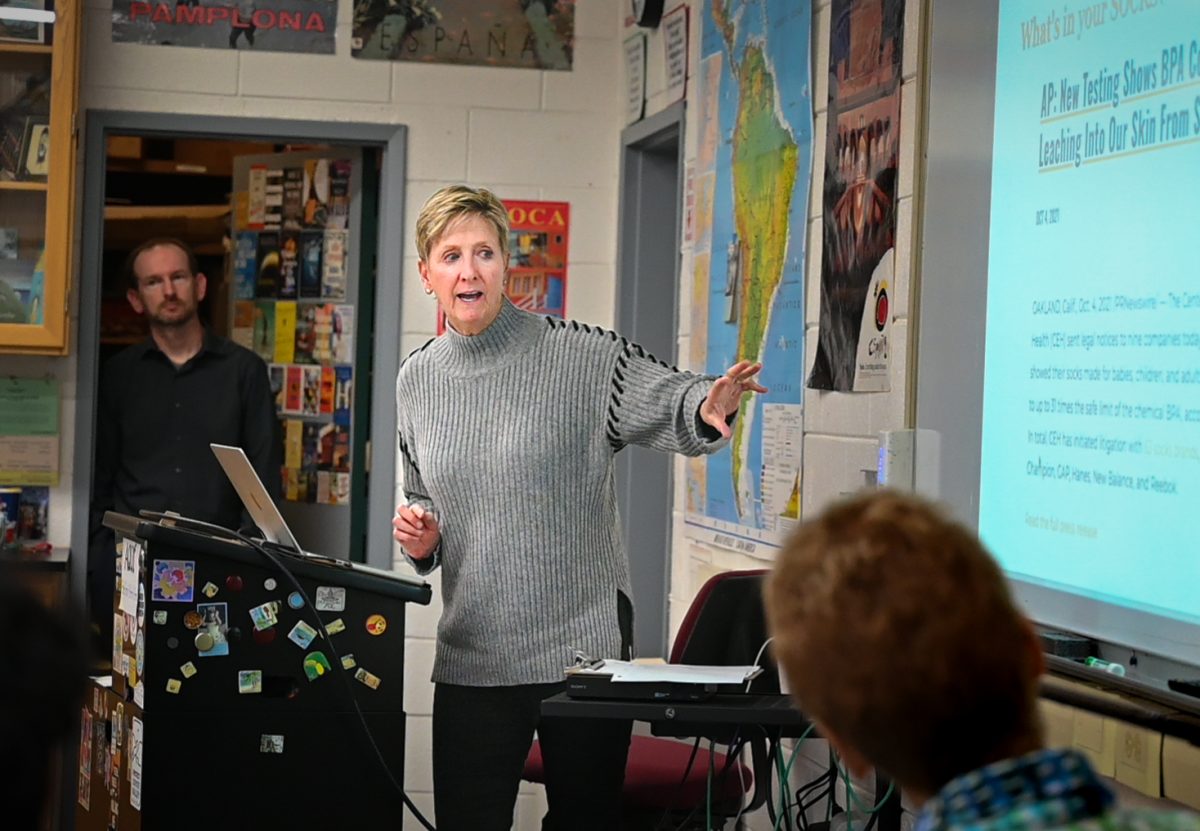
266, 516
254, 496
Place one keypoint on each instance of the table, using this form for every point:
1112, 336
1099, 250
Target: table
719, 718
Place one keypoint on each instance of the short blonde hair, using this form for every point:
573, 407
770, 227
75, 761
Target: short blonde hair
897, 631
451, 204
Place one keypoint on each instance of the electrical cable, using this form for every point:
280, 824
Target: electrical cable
802, 807
687, 769
832, 786
811, 793
784, 791
787, 770
345, 675
773, 754
761, 650
735, 747
708, 787
853, 797
772, 817
227, 534
849, 799
742, 808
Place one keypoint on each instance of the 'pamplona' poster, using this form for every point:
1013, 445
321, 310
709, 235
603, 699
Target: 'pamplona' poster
258, 25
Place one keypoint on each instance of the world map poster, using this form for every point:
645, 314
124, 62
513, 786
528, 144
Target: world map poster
751, 191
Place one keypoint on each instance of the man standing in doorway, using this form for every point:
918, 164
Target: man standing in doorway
162, 402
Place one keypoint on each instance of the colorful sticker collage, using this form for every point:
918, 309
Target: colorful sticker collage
290, 287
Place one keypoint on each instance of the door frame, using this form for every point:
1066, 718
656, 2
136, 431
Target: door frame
647, 312
391, 140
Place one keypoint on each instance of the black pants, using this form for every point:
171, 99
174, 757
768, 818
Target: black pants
481, 737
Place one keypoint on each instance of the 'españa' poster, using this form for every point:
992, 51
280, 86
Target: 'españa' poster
537, 34
258, 25
861, 149
537, 257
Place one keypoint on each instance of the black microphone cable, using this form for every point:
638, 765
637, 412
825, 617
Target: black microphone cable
228, 534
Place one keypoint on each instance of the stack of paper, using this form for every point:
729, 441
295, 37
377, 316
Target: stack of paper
626, 671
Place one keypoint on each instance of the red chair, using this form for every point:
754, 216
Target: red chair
666, 778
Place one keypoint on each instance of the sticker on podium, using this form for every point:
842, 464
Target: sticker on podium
331, 599
372, 681
376, 624
174, 581
302, 634
316, 665
250, 681
266, 615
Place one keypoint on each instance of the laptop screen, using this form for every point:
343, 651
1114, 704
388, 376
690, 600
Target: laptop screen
254, 495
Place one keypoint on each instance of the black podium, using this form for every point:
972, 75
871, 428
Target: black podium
228, 707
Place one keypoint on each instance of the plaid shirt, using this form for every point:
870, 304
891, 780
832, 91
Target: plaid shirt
1042, 790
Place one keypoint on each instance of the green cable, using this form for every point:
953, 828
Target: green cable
708, 789
787, 771
854, 797
850, 794
783, 790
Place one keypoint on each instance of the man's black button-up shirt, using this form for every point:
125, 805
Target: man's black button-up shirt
155, 423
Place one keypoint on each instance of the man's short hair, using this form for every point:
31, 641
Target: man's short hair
897, 632
451, 204
155, 242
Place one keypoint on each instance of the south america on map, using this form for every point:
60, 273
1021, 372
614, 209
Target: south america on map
751, 182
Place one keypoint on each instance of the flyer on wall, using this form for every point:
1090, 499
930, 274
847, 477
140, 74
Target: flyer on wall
861, 150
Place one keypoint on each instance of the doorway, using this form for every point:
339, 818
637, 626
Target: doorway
149, 174
648, 243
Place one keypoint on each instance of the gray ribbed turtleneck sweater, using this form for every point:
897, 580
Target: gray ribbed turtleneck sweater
509, 437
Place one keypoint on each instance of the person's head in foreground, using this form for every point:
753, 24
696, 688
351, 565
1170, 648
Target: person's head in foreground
899, 638
46, 672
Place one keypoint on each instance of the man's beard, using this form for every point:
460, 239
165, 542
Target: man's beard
179, 322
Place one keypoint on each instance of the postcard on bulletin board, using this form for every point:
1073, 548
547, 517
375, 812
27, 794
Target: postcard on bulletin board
29, 431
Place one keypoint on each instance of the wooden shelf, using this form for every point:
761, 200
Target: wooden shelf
25, 48
149, 213
202, 226
161, 166
15, 185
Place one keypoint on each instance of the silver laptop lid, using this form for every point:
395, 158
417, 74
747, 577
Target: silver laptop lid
254, 496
